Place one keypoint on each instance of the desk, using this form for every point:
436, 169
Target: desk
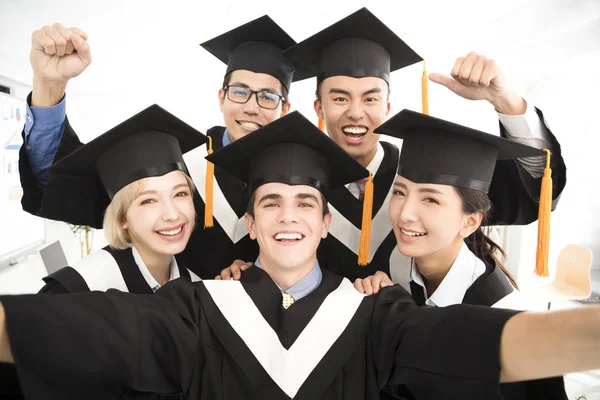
23, 277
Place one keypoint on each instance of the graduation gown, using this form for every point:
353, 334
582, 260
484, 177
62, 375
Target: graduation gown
208, 251
493, 289
514, 194
102, 270
234, 340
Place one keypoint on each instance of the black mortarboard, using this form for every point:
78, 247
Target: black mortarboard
290, 150
442, 152
257, 46
359, 45
150, 143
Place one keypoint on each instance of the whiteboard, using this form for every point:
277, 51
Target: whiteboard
20, 232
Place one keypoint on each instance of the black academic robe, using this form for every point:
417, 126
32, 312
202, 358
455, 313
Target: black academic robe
208, 251
234, 340
514, 194
489, 289
120, 272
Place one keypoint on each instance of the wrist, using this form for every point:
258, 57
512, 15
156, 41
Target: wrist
510, 104
47, 93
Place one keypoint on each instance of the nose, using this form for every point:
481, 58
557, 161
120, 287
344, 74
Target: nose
170, 211
355, 110
287, 214
251, 107
408, 211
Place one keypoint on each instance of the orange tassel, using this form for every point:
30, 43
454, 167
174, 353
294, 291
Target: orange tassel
543, 244
210, 173
365, 232
322, 124
424, 90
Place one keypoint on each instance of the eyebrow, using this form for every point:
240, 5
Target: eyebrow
275, 196
268, 89
421, 190
154, 191
347, 93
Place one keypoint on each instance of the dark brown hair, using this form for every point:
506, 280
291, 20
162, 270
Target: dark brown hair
478, 242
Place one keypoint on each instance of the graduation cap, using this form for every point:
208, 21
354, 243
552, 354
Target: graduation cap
290, 150
442, 152
150, 143
257, 46
359, 45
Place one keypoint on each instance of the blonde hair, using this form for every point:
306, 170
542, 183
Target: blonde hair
114, 217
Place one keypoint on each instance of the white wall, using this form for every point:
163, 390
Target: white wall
148, 51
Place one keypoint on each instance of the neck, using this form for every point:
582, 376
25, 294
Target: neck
366, 159
286, 276
159, 265
434, 267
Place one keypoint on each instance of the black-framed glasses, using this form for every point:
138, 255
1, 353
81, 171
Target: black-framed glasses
264, 98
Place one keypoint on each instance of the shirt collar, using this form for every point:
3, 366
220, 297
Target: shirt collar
226, 139
153, 283
464, 271
304, 286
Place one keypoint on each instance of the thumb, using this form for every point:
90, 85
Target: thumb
444, 80
83, 49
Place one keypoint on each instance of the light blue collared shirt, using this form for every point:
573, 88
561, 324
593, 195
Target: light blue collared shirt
42, 139
304, 286
226, 139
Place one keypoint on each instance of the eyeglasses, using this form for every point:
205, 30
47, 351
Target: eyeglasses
264, 98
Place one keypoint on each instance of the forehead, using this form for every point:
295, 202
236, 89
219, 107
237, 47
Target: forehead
164, 182
254, 80
284, 190
414, 186
354, 85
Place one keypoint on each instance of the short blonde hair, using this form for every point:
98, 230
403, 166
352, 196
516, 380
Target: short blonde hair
116, 235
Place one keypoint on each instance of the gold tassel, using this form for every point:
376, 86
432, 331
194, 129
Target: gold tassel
365, 232
321, 124
543, 244
424, 90
210, 173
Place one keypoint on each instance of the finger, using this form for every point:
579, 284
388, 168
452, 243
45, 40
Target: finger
235, 272
60, 43
83, 50
226, 274
465, 69
81, 33
386, 282
41, 41
376, 281
368, 286
359, 286
477, 70
490, 71
218, 277
245, 266
445, 81
457, 64
67, 34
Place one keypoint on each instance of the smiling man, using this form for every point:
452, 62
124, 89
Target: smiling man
254, 92
352, 60
287, 329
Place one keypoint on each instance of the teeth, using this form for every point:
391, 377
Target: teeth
171, 233
288, 236
247, 124
355, 130
408, 233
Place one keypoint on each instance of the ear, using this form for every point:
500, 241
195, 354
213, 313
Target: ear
319, 109
470, 224
326, 224
387, 111
285, 108
221, 99
250, 225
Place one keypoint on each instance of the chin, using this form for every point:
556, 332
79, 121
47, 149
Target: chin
409, 251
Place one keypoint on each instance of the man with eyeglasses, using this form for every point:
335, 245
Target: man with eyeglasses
254, 92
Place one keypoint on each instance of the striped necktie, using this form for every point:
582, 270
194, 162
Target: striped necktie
361, 188
287, 301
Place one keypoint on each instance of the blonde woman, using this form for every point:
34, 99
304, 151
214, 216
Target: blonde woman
151, 213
